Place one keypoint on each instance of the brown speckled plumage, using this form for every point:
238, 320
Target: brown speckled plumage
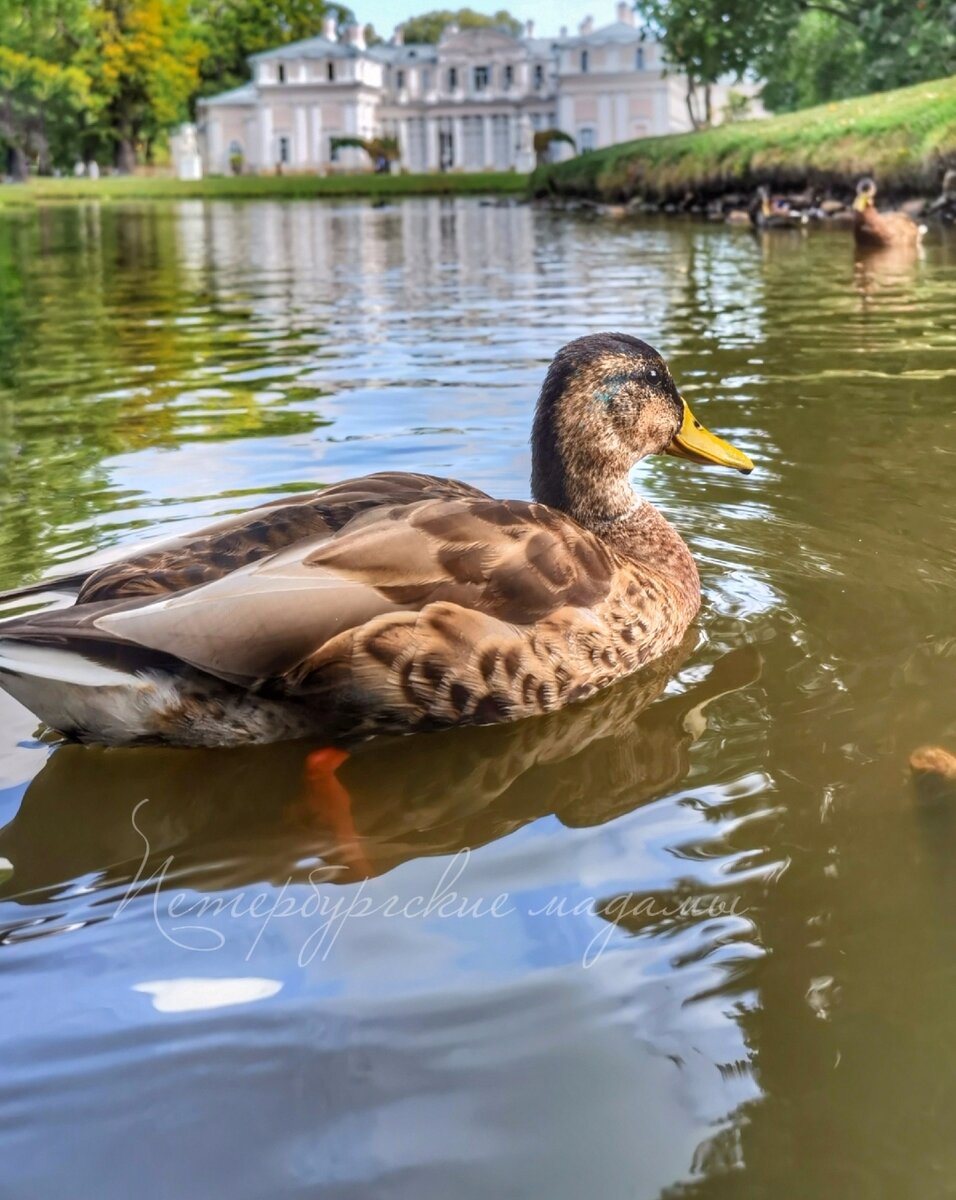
400, 602
877, 230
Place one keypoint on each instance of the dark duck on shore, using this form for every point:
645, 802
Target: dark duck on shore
393, 602
878, 230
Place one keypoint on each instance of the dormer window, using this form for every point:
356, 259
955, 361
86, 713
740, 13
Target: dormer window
281, 73
482, 76
639, 58
584, 62
330, 72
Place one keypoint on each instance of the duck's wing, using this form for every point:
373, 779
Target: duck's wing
501, 563
175, 564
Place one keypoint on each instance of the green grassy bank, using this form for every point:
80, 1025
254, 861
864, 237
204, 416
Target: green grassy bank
43, 190
905, 138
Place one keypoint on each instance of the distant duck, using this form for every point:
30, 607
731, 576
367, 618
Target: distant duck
944, 207
877, 230
773, 212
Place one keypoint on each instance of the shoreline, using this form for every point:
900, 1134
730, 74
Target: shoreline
49, 190
906, 139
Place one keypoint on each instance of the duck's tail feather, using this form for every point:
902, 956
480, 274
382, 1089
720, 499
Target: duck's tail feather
64, 585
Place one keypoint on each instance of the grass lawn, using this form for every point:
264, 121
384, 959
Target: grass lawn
42, 190
905, 138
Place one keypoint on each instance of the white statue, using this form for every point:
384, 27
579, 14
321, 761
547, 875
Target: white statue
524, 157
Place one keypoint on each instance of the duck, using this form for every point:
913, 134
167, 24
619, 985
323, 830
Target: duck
773, 212
878, 230
392, 603
944, 206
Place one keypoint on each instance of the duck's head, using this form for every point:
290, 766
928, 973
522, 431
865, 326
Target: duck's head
865, 194
608, 401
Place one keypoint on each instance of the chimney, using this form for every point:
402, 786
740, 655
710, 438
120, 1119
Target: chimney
328, 29
355, 36
398, 37
625, 14
586, 27
529, 29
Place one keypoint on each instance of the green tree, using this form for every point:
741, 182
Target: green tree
429, 26
709, 39
45, 98
807, 50
231, 30
819, 60
145, 69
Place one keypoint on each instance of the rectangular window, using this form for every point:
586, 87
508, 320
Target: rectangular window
330, 72
452, 78
585, 140
284, 150
333, 149
584, 62
281, 73
538, 75
509, 76
426, 81
482, 75
639, 58
399, 79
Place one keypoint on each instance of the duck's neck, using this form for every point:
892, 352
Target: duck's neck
601, 498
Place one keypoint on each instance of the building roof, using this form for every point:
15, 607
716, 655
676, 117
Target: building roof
247, 93
313, 47
388, 52
617, 32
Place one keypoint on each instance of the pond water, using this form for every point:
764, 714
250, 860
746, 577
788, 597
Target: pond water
697, 947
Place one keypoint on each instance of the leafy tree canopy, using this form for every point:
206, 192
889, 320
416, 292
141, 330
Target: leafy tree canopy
231, 30
429, 26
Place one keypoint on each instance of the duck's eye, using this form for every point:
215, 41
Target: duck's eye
652, 376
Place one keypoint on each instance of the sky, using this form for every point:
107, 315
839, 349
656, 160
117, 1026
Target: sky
547, 15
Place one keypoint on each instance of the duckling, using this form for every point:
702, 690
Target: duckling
394, 602
873, 229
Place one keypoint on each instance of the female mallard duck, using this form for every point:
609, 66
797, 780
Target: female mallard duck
873, 229
393, 602
773, 212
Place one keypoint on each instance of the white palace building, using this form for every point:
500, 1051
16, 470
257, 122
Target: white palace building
470, 103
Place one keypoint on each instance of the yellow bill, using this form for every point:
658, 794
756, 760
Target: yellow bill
693, 441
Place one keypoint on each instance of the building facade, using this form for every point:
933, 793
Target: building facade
472, 102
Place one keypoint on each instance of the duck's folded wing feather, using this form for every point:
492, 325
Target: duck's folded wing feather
514, 561
216, 550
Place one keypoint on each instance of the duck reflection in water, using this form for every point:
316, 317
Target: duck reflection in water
230, 817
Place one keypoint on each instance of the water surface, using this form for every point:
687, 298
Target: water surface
693, 938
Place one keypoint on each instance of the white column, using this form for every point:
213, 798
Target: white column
216, 163
605, 122
266, 149
431, 143
300, 151
458, 142
315, 135
620, 117
489, 149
